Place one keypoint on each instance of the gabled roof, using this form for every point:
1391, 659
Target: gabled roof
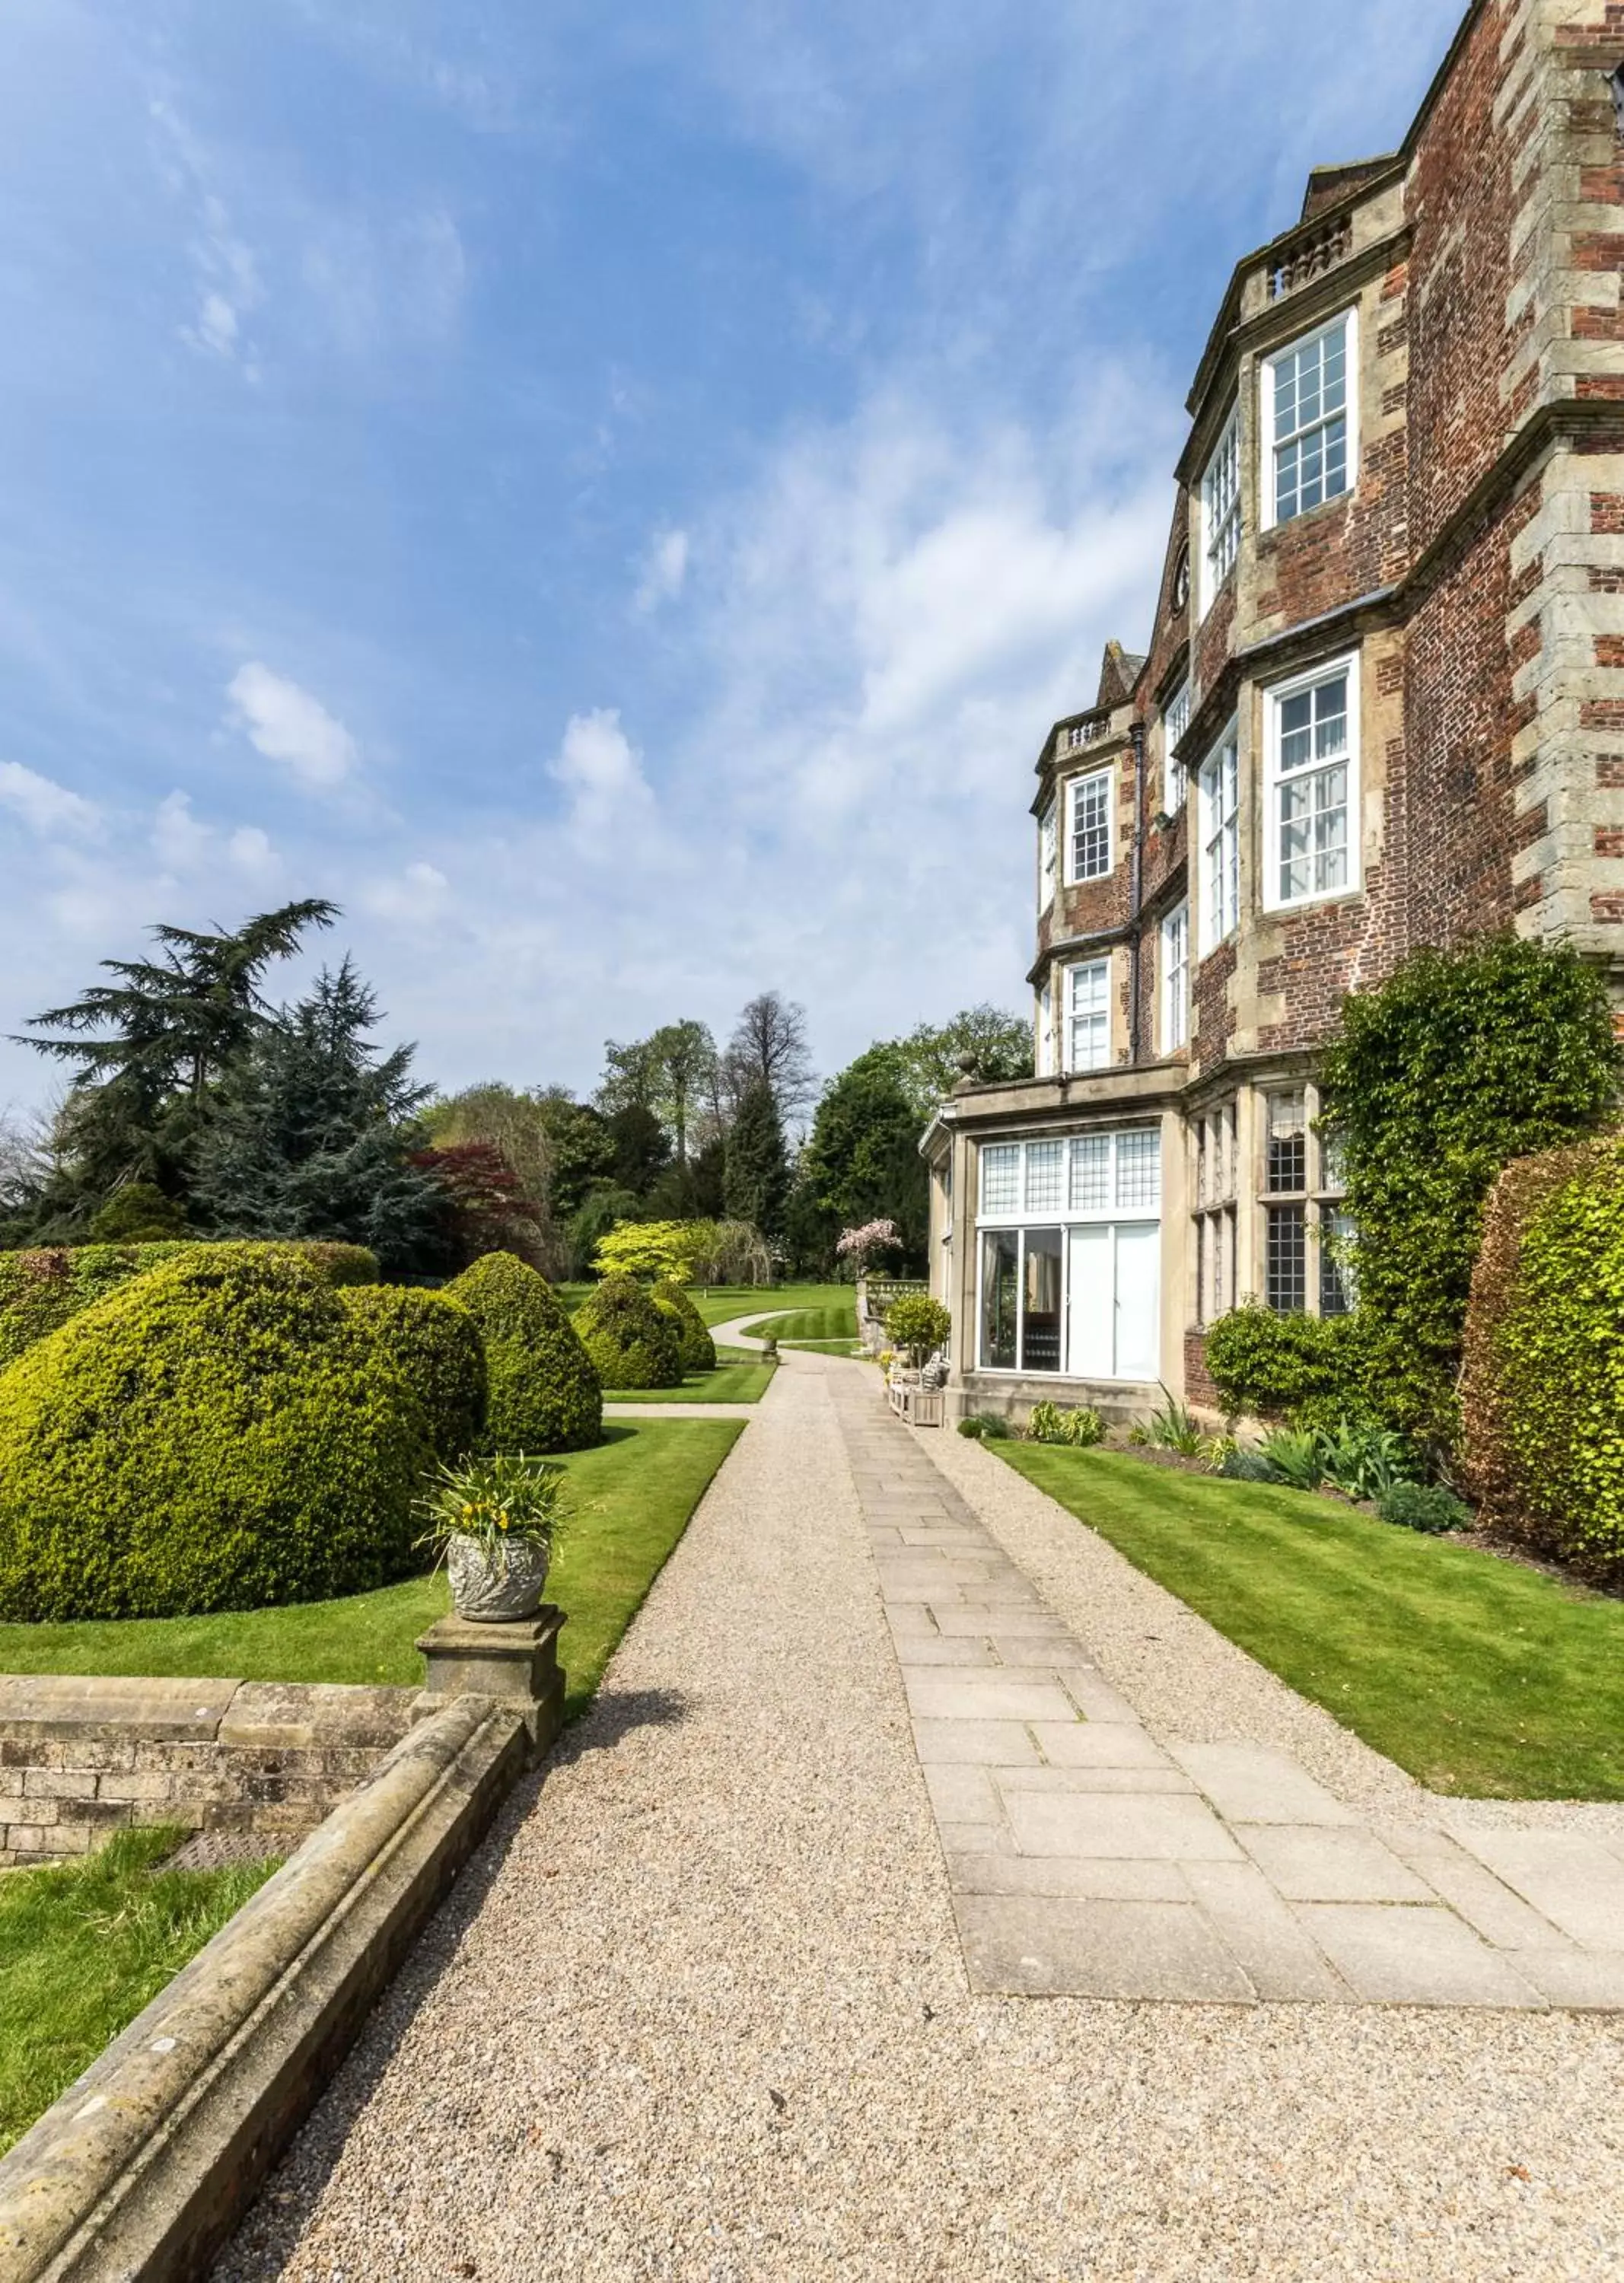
1327, 184
1119, 671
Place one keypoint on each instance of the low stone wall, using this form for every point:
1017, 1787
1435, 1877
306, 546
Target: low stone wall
81, 1757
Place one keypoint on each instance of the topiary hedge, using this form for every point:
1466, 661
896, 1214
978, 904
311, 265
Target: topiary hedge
218, 1434
698, 1348
1542, 1385
631, 1343
435, 1343
543, 1394
41, 1290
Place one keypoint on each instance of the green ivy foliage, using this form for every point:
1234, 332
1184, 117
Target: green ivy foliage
698, 1349
632, 1342
1460, 1062
1543, 1390
435, 1343
217, 1435
544, 1394
41, 1290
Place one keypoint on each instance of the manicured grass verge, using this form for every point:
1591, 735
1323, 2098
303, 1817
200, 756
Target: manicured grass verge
84, 1946
631, 1498
738, 1382
835, 1319
721, 1304
1479, 1676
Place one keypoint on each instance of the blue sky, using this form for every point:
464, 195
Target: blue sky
614, 497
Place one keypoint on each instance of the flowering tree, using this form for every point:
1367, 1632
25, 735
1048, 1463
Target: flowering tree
862, 1246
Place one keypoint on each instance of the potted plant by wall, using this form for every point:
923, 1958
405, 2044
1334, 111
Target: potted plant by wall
495, 1521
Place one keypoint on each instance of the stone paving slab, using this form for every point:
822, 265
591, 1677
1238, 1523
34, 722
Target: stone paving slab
1086, 1858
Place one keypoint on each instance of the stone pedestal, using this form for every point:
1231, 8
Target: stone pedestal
515, 1664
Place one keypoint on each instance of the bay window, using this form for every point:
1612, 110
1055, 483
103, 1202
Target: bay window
1088, 1016
1311, 796
1176, 979
1070, 1271
1220, 834
1309, 420
1221, 511
1214, 1212
1044, 1060
1088, 840
1046, 852
1174, 721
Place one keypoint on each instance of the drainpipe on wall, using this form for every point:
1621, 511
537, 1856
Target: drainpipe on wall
1136, 895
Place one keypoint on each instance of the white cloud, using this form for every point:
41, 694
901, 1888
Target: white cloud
250, 851
45, 807
416, 893
665, 567
288, 724
224, 267
602, 772
179, 842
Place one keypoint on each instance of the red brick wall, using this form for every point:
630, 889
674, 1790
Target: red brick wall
1460, 808
1461, 204
1212, 1024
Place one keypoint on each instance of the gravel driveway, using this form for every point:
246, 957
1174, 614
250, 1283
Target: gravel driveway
698, 2011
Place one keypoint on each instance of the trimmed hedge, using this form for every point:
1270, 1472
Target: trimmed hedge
218, 1434
1265, 1366
42, 1291
631, 1343
1542, 1388
543, 1394
697, 1347
435, 1343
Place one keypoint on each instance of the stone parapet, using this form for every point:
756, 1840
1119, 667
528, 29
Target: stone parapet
80, 1757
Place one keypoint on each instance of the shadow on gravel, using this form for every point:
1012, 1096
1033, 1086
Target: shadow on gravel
268, 2238
609, 1717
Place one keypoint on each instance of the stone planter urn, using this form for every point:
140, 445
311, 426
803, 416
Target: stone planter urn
499, 1592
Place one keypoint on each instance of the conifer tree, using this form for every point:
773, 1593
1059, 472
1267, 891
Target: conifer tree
757, 1178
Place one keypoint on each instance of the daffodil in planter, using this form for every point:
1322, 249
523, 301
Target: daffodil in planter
495, 1521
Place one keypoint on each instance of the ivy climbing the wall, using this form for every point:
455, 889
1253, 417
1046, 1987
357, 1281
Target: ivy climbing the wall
1459, 1063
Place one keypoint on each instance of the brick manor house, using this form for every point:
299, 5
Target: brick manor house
1383, 705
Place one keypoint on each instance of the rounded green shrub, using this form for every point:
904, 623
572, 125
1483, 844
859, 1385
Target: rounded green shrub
544, 1394
631, 1341
219, 1434
39, 1290
435, 1343
698, 1348
1427, 1507
1542, 1388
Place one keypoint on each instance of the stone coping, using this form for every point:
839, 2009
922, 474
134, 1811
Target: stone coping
144, 2165
262, 1715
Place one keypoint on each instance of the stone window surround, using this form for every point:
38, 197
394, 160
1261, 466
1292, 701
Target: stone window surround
1273, 696
1073, 792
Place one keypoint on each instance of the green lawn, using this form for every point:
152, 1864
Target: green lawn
831, 1319
721, 1304
631, 1498
729, 1382
1481, 1677
84, 1946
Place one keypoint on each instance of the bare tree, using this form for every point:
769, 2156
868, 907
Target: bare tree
769, 1044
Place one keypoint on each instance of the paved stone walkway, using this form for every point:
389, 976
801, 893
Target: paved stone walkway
1085, 1857
697, 2012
